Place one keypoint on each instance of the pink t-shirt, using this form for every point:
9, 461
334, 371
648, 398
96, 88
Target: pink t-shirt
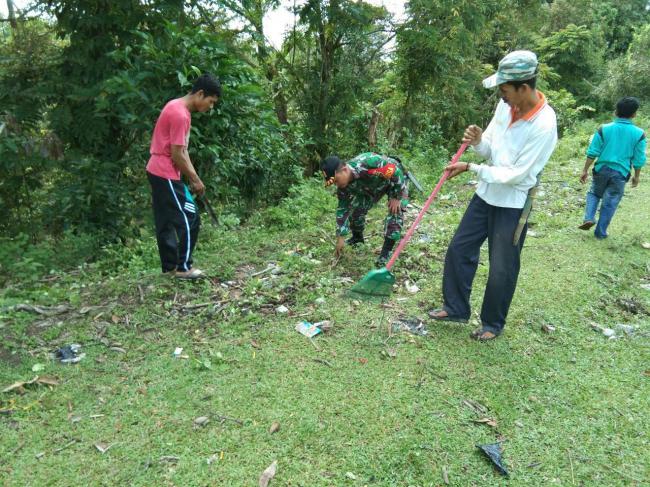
172, 128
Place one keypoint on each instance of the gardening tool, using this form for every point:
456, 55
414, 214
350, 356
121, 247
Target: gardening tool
411, 177
525, 212
208, 207
378, 283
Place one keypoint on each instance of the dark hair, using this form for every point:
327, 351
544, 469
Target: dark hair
532, 82
209, 83
626, 107
330, 165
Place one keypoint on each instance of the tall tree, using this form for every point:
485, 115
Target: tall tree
12, 14
252, 12
338, 56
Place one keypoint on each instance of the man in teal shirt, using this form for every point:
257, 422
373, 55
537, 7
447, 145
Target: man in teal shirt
617, 147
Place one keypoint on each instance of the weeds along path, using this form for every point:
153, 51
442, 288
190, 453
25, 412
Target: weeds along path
359, 404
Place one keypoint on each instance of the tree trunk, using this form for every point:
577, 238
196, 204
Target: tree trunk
372, 128
270, 70
12, 14
279, 98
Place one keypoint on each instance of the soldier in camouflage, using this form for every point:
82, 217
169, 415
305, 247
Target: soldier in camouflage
362, 182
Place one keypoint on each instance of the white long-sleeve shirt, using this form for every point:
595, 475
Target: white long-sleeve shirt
515, 152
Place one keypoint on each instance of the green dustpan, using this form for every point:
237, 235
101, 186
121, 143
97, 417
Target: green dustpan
378, 283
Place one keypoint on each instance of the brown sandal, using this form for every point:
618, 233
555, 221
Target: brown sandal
586, 225
434, 314
482, 335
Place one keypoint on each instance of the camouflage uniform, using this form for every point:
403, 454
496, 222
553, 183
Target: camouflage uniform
374, 176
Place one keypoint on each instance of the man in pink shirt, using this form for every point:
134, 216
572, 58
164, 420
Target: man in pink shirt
175, 213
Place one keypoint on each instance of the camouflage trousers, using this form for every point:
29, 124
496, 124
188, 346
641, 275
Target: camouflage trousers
360, 208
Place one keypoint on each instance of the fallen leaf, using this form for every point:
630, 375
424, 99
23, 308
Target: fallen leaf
548, 328
44, 380
42, 310
268, 474
118, 349
102, 447
169, 459
19, 386
274, 427
362, 360
115, 319
254, 344
476, 406
201, 421
16, 386
326, 325
489, 421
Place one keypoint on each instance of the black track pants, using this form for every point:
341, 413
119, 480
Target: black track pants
177, 222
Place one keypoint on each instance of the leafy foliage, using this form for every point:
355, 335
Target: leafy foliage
337, 57
627, 75
80, 93
239, 149
576, 54
27, 148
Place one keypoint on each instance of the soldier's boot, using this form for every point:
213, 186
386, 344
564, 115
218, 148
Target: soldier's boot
385, 252
357, 238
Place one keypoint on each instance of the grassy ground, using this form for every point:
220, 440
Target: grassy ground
356, 406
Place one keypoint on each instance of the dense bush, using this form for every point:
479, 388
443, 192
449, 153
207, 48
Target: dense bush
628, 75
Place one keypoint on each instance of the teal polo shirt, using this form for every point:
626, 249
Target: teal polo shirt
618, 145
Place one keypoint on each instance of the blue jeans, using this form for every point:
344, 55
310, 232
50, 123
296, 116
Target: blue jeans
607, 185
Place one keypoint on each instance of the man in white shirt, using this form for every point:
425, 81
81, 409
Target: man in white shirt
517, 144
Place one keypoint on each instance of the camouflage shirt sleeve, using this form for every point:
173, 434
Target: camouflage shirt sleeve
398, 186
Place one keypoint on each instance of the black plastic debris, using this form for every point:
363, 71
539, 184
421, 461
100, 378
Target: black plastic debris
69, 354
493, 452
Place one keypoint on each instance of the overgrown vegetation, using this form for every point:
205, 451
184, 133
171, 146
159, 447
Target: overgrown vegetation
80, 90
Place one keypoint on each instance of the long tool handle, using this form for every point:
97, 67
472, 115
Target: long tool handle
211, 212
424, 209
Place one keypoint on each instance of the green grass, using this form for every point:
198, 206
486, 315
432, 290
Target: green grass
572, 407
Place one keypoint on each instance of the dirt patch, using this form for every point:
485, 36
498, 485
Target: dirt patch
632, 305
243, 272
7, 357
